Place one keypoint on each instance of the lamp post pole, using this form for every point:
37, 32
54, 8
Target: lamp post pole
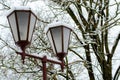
44, 60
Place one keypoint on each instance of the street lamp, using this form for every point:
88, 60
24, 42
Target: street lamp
59, 35
22, 24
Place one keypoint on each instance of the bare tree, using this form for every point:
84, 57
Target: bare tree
94, 16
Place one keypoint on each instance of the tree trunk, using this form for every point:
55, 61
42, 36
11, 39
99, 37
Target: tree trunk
89, 65
107, 70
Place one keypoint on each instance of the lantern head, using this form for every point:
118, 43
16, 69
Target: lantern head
22, 23
59, 35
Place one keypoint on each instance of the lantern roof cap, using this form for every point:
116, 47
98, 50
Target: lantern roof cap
19, 8
56, 24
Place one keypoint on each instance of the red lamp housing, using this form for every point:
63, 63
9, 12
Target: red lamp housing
59, 35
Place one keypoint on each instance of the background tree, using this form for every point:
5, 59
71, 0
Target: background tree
90, 44
94, 16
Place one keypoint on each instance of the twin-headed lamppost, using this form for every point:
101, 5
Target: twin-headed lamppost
22, 24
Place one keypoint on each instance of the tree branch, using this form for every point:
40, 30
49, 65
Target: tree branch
115, 45
70, 12
117, 74
76, 54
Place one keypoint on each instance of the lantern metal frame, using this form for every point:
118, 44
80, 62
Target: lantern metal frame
61, 54
22, 43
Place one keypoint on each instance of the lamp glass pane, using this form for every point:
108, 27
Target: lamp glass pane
66, 39
32, 24
23, 18
12, 22
57, 37
51, 41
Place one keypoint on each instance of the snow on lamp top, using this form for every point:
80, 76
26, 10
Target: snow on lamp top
19, 8
55, 24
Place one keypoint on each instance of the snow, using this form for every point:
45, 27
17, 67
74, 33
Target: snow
56, 24
84, 75
48, 57
22, 8
53, 58
18, 8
